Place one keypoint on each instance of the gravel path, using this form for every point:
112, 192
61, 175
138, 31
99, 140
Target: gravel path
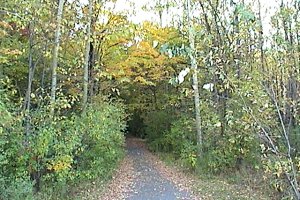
149, 183
142, 176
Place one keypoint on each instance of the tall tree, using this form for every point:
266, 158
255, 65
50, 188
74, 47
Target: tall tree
55, 52
195, 77
31, 66
87, 58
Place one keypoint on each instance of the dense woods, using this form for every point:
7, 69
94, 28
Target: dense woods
210, 82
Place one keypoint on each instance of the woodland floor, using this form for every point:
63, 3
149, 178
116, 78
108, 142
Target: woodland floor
143, 176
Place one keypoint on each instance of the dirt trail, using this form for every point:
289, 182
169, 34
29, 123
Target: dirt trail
142, 176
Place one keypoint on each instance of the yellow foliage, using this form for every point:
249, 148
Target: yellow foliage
63, 163
144, 49
138, 60
5, 53
10, 52
140, 79
5, 25
298, 165
2, 33
160, 34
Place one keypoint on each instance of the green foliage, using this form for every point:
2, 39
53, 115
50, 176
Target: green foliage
295, 140
156, 123
53, 149
14, 179
103, 127
177, 137
60, 151
231, 139
16, 189
277, 169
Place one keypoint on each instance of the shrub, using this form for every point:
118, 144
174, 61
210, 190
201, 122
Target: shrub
58, 150
177, 137
16, 189
181, 139
102, 128
156, 125
14, 179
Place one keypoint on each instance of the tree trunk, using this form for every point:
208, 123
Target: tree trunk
86, 59
238, 43
55, 53
261, 39
195, 79
27, 102
91, 70
1, 75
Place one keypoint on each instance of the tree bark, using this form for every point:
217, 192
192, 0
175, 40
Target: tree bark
87, 59
55, 54
261, 39
27, 102
91, 70
195, 79
1, 75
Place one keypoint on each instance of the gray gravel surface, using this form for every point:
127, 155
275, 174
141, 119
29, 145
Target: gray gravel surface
148, 183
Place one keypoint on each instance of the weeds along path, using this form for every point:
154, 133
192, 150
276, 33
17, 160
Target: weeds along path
142, 176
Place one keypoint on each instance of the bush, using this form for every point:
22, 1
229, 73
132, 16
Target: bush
53, 149
103, 139
177, 137
60, 150
16, 189
156, 125
231, 137
14, 179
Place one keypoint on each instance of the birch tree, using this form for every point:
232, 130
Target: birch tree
195, 76
55, 53
87, 58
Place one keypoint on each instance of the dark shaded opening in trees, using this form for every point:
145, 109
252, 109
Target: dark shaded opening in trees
136, 125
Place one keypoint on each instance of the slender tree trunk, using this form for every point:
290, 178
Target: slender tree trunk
261, 39
160, 18
27, 102
160, 13
1, 75
55, 53
87, 59
292, 176
91, 70
238, 42
43, 77
195, 79
43, 74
